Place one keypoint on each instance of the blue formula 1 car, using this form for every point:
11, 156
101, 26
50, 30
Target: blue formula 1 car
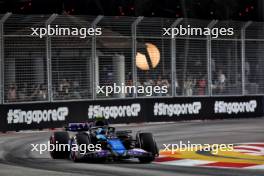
101, 142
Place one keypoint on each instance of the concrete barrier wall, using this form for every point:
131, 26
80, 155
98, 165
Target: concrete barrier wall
50, 115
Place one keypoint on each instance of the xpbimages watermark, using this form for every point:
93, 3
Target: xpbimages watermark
65, 31
189, 147
197, 31
49, 147
124, 89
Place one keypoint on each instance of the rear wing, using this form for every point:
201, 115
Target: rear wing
78, 127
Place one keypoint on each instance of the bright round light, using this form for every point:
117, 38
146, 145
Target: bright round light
154, 55
141, 61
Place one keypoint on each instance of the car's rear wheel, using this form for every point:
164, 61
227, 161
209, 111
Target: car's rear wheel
78, 143
147, 143
59, 138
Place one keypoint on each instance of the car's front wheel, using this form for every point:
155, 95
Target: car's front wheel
147, 143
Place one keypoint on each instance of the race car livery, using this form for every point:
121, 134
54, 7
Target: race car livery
99, 141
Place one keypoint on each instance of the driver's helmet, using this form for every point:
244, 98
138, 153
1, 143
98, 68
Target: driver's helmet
100, 131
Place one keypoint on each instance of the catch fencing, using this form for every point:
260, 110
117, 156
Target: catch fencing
69, 68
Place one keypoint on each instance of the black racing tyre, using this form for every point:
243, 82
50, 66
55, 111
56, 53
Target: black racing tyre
147, 143
58, 138
79, 139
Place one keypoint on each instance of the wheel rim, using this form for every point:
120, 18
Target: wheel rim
74, 154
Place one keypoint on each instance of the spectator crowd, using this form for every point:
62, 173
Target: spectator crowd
66, 90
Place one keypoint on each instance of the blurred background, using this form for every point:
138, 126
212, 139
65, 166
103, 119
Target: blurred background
56, 68
202, 9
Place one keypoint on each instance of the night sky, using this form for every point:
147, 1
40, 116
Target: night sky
202, 9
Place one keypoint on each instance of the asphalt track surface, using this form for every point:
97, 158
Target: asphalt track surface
17, 159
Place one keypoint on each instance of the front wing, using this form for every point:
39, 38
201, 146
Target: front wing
132, 153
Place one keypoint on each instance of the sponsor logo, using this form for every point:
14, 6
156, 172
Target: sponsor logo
234, 107
114, 111
15, 116
162, 109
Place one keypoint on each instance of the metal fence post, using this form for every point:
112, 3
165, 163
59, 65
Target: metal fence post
209, 58
2, 78
173, 60
243, 56
134, 51
94, 55
48, 58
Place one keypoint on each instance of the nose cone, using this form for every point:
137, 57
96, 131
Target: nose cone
117, 146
